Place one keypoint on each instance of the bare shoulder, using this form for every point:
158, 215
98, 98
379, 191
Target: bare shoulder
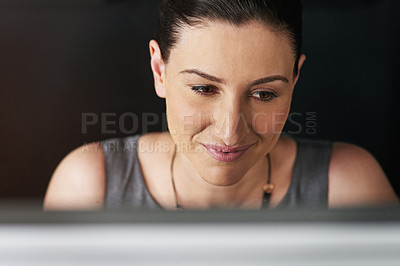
357, 179
78, 181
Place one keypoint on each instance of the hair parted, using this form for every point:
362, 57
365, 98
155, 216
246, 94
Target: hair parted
280, 15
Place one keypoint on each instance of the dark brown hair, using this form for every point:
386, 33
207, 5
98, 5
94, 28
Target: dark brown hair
281, 15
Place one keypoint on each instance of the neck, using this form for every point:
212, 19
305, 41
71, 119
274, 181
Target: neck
193, 192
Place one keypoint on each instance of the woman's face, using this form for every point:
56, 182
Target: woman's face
229, 86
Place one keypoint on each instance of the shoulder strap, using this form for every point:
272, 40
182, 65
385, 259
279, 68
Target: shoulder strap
310, 179
125, 186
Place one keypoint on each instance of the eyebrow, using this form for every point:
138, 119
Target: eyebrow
269, 79
219, 80
203, 75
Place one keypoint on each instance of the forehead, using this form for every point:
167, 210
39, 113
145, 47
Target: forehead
230, 50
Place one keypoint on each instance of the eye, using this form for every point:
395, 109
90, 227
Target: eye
264, 96
204, 89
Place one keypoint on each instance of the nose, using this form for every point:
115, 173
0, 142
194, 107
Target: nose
231, 124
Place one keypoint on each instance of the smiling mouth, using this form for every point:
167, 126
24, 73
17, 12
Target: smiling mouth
226, 154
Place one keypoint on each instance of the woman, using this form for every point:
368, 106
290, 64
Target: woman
227, 70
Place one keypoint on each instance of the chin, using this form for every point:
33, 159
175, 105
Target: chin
221, 176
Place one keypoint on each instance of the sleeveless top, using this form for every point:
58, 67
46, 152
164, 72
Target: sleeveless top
125, 185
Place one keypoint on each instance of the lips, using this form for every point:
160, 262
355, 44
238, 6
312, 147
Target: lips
226, 154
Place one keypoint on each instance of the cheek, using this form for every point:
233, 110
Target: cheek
272, 121
185, 117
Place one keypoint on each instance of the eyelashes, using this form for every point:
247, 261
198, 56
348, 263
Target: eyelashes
260, 95
204, 90
264, 96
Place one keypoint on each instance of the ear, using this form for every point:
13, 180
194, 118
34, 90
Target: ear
301, 62
158, 68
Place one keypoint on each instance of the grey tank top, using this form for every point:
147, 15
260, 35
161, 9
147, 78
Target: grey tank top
125, 185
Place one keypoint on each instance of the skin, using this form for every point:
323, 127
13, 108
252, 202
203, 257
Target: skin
223, 61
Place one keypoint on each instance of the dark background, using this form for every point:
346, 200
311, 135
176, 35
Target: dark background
62, 58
